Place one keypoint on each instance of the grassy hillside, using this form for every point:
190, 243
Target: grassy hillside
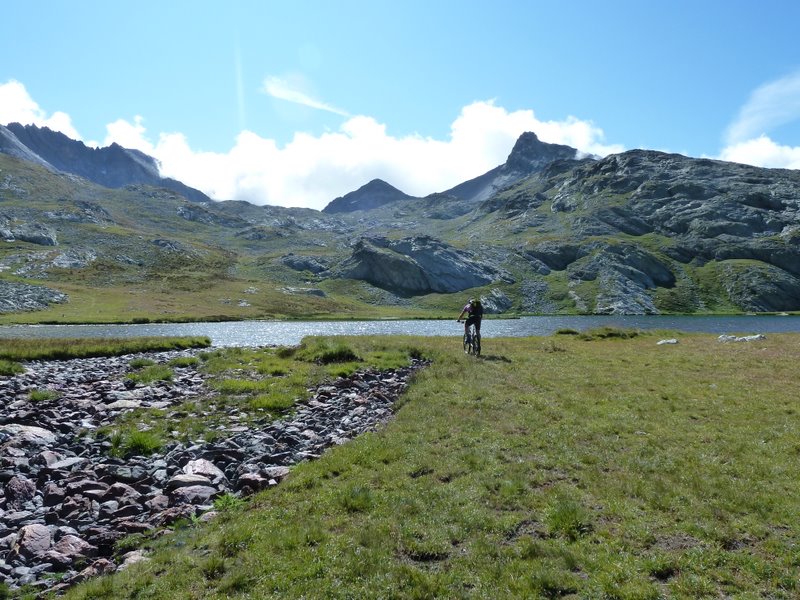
570, 466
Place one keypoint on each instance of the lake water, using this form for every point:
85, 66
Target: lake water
262, 333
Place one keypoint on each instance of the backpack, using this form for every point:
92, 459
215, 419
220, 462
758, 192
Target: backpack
477, 308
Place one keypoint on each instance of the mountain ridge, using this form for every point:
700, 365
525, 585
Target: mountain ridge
640, 232
111, 166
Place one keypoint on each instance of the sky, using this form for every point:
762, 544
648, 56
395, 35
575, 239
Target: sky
295, 103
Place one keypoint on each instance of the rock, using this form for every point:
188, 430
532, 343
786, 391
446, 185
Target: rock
193, 494
205, 468
17, 297
186, 480
19, 491
418, 265
668, 341
27, 435
314, 264
131, 558
32, 540
747, 338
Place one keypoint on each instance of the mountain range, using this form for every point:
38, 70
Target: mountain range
97, 234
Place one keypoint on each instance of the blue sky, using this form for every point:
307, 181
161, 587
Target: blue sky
295, 103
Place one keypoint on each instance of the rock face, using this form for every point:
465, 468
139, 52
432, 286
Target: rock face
655, 231
374, 194
418, 265
65, 502
113, 166
529, 156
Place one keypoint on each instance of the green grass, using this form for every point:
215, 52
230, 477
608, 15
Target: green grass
132, 442
612, 468
151, 373
18, 349
9, 368
43, 395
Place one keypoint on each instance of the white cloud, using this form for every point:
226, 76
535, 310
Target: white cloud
769, 106
763, 152
16, 106
310, 171
283, 90
772, 104
128, 135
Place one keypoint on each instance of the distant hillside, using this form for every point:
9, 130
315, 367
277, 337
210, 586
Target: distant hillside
112, 166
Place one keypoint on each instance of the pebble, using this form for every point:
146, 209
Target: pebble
65, 501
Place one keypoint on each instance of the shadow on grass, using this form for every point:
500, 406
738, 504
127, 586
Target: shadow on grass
495, 358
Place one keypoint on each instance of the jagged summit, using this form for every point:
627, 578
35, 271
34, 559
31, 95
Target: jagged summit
529, 155
374, 194
112, 166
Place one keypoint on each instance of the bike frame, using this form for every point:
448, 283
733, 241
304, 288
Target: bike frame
472, 341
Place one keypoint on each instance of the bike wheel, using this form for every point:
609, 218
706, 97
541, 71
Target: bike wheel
476, 345
467, 343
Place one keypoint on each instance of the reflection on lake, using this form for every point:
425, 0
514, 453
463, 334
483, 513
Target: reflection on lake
262, 333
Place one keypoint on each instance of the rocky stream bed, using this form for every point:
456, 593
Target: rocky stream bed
65, 502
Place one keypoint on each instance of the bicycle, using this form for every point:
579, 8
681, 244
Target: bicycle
472, 340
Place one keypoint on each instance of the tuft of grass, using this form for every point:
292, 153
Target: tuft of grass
42, 395
182, 362
605, 333
138, 363
228, 502
356, 499
10, 368
135, 443
566, 517
150, 374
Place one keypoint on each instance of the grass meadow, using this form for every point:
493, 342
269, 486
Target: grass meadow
602, 467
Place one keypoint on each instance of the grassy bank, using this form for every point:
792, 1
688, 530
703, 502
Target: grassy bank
551, 467
14, 349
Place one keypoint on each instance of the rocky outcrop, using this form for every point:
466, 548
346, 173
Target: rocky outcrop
314, 264
65, 502
18, 297
372, 195
418, 265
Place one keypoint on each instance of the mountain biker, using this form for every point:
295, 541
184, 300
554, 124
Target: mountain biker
474, 309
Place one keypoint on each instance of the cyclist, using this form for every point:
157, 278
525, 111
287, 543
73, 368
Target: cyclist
474, 309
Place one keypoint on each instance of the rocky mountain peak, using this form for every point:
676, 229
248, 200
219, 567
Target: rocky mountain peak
371, 195
530, 154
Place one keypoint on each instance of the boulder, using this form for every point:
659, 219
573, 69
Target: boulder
417, 265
